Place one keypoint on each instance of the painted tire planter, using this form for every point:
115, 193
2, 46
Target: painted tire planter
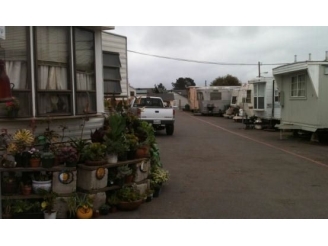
46, 185
84, 213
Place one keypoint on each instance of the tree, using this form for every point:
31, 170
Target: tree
182, 83
226, 80
159, 88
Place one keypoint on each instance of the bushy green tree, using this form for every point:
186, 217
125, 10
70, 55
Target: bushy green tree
225, 81
182, 83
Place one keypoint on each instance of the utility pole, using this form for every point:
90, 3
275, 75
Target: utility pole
205, 83
259, 64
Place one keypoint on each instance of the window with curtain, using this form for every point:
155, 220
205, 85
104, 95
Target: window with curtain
112, 75
298, 86
54, 91
259, 92
13, 50
84, 49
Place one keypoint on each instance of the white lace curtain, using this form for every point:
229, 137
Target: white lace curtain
16, 71
52, 78
85, 81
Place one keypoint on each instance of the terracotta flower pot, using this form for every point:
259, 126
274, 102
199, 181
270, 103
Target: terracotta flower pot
35, 162
26, 190
142, 152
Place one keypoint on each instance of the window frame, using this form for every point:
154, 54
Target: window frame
119, 80
298, 84
18, 93
256, 96
70, 87
76, 91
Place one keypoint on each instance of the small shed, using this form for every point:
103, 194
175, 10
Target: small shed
303, 95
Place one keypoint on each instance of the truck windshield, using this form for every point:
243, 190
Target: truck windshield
151, 103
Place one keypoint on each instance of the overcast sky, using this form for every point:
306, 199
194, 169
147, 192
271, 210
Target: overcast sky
230, 44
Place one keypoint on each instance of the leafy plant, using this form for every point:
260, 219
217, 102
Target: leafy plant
34, 153
128, 194
83, 201
25, 206
116, 127
158, 176
113, 200
123, 171
49, 200
21, 140
117, 147
68, 154
94, 152
7, 206
41, 176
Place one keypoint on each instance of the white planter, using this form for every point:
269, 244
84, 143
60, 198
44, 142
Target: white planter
52, 215
46, 185
112, 158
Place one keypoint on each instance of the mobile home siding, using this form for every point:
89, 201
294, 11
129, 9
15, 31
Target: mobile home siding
299, 111
116, 43
72, 123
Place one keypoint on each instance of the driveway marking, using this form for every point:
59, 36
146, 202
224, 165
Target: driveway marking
263, 143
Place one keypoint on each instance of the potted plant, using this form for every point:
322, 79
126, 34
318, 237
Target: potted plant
47, 159
7, 209
9, 184
149, 194
115, 149
25, 209
158, 177
94, 154
84, 205
79, 144
130, 198
71, 202
68, 155
132, 142
113, 202
12, 108
26, 187
35, 157
125, 172
48, 203
21, 140
41, 180
104, 209
114, 137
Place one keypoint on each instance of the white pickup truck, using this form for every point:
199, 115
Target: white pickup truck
152, 110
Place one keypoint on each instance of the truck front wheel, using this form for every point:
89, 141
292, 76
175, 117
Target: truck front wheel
169, 129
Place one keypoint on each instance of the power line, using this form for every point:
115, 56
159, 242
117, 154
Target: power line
204, 62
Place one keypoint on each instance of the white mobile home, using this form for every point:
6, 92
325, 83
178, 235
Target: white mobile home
57, 74
266, 100
214, 99
242, 98
303, 95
